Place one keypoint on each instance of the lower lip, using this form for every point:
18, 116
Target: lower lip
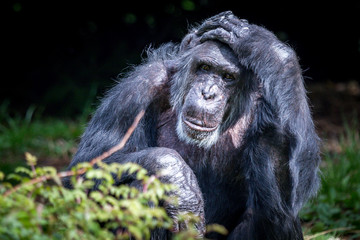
199, 128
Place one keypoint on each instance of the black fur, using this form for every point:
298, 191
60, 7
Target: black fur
263, 167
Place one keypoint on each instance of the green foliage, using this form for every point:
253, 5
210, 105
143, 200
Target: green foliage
50, 138
337, 205
39, 207
45, 135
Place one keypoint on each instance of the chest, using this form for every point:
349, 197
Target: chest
225, 201
217, 170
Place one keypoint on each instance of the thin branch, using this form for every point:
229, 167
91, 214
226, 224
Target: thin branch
122, 142
81, 171
326, 232
151, 180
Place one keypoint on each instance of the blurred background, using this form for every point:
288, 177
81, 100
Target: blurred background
59, 54
59, 57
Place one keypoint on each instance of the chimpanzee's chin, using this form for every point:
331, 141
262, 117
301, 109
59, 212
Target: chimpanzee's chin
196, 135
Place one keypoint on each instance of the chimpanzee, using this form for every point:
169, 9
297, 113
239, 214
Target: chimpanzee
227, 118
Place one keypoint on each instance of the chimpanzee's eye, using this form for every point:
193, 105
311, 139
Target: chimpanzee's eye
229, 77
205, 67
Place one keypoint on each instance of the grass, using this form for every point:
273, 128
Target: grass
337, 206
335, 212
50, 139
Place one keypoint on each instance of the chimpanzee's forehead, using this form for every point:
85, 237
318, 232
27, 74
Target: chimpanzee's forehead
216, 50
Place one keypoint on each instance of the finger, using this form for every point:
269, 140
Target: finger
237, 21
188, 42
239, 27
219, 34
232, 23
227, 25
207, 26
213, 25
213, 22
221, 16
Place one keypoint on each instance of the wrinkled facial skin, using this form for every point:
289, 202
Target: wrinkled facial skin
214, 73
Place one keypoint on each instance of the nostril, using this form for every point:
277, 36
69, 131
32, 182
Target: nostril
208, 95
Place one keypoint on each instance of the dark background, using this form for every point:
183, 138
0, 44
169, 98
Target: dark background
60, 56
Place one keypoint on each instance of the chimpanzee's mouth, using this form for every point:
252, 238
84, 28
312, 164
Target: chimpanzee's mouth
198, 125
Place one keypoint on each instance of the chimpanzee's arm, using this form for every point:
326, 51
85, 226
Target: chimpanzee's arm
142, 87
118, 109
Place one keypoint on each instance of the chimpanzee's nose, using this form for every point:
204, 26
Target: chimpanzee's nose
210, 93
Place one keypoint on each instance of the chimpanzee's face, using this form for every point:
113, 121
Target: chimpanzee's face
214, 72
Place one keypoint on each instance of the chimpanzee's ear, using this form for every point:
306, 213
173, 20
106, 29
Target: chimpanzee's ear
171, 66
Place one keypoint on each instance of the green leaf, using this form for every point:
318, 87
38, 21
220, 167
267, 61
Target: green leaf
97, 196
135, 232
31, 160
24, 170
14, 176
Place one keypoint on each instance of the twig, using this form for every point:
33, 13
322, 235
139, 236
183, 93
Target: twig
122, 142
326, 232
92, 162
146, 186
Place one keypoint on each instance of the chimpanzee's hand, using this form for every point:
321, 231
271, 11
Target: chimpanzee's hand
194, 38
174, 170
225, 28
